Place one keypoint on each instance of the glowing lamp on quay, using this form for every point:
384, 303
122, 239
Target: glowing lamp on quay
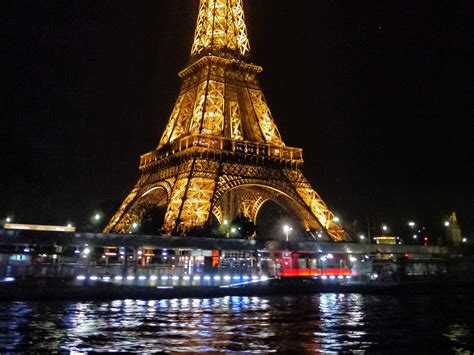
287, 229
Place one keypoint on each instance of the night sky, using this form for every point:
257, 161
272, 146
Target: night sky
379, 94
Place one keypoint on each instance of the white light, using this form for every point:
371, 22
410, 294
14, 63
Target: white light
323, 258
264, 278
233, 230
246, 277
217, 277
226, 222
286, 228
464, 240
362, 237
207, 278
140, 252
411, 224
330, 256
81, 277
446, 224
332, 277
118, 278
26, 250
134, 225
336, 219
86, 251
77, 251
324, 277
9, 279
197, 278
186, 278
352, 259
93, 278
164, 277
130, 277
340, 277
227, 277
415, 236
97, 217
142, 278
153, 278
8, 219
384, 228
106, 278
238, 277
255, 277
175, 278
69, 225
348, 277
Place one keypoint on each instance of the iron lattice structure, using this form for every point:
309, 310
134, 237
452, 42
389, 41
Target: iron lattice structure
221, 152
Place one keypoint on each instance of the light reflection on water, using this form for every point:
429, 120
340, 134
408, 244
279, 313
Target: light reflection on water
326, 323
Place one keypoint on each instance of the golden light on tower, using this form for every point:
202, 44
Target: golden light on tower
221, 28
221, 152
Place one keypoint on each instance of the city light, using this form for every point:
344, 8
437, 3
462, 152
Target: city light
134, 225
362, 237
233, 230
8, 220
226, 222
86, 251
411, 224
69, 225
287, 229
415, 236
97, 217
384, 228
446, 224
464, 240
336, 219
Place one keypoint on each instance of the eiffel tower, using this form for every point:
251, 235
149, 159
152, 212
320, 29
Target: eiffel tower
221, 152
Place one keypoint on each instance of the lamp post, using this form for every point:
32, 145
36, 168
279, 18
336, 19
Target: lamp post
287, 229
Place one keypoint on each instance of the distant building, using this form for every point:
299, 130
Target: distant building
453, 230
386, 239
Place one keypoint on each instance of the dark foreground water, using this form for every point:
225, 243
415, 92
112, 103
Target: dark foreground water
327, 323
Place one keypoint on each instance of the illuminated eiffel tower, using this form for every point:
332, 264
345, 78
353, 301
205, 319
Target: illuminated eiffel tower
221, 152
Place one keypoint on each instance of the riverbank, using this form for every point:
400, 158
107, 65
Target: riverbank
64, 289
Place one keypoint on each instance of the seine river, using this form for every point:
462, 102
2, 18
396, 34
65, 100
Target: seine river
326, 323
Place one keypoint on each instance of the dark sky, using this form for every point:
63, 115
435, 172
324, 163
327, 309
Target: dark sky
379, 94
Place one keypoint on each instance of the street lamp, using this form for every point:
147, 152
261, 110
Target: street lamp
97, 217
446, 224
287, 229
384, 228
336, 219
412, 224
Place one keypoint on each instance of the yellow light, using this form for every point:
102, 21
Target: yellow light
39, 227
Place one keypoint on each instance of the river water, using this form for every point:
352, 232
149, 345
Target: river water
326, 323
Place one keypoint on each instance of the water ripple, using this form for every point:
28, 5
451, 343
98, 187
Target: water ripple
328, 323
